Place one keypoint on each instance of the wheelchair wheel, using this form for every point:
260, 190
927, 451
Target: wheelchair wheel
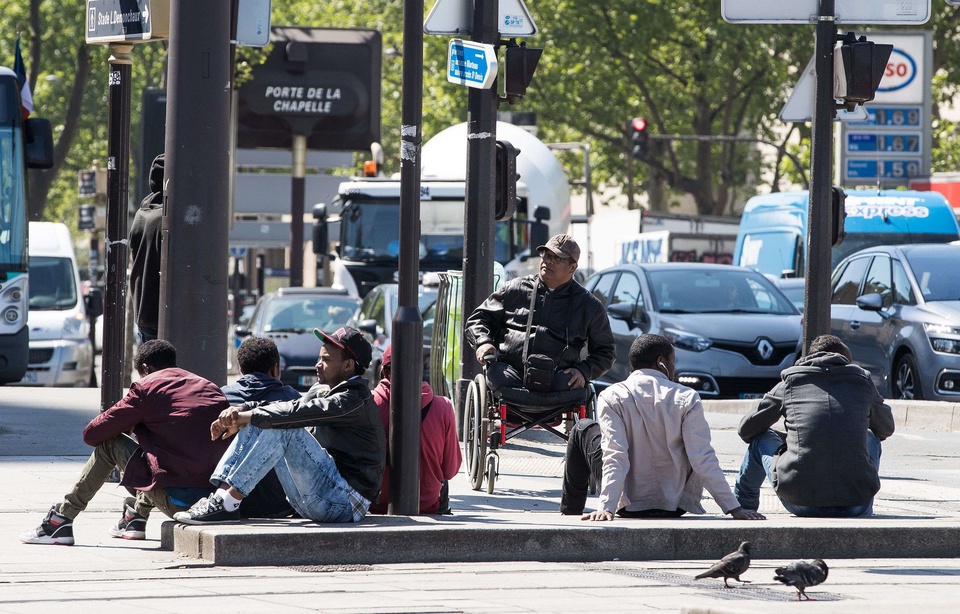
474, 431
491, 472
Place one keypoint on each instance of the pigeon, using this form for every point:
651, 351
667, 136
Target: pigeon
730, 566
801, 574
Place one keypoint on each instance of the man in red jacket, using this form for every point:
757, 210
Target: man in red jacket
169, 411
439, 450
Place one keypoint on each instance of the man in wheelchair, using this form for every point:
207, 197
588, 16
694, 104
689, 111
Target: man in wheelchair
545, 331
651, 451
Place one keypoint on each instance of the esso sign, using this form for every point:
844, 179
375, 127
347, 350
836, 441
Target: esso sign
901, 71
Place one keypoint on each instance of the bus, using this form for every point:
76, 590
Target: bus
24, 143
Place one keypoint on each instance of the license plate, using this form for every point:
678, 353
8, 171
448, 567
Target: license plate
308, 380
30, 377
751, 395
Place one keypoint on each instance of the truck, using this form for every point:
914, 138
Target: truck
368, 212
24, 143
773, 227
947, 184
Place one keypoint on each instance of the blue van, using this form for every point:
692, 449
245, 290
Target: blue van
773, 227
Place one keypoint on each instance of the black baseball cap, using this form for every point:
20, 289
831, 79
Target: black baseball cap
351, 341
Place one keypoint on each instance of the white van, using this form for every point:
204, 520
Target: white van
60, 349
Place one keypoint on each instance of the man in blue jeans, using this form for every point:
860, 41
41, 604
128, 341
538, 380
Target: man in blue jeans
331, 475
827, 464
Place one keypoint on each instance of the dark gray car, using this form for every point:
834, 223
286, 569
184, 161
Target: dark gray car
733, 330
898, 308
288, 316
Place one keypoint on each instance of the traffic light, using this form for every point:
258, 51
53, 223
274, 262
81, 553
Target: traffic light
505, 195
639, 140
838, 215
858, 67
520, 62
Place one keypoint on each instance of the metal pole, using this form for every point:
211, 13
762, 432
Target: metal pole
478, 227
194, 249
297, 190
816, 302
117, 252
407, 370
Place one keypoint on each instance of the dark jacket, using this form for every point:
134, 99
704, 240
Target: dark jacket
144, 243
345, 421
170, 412
566, 321
827, 405
267, 500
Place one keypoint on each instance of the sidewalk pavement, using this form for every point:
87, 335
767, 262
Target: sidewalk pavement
521, 522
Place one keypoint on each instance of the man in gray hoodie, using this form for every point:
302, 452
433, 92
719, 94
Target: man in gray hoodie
827, 464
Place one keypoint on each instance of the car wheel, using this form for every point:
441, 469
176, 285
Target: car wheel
906, 379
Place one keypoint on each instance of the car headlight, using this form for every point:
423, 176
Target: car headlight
943, 344
687, 341
75, 327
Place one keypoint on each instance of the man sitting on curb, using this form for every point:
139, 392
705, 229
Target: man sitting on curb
169, 410
828, 463
439, 448
330, 476
651, 451
259, 362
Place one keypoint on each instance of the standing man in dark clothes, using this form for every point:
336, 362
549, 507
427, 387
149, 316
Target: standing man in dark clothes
331, 475
827, 464
259, 362
169, 411
144, 244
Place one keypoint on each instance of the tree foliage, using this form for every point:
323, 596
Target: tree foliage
678, 64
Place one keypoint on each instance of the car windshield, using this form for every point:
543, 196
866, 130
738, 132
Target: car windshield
716, 291
299, 314
52, 284
937, 278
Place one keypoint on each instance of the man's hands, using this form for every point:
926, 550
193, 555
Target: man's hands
485, 349
576, 378
598, 515
230, 421
745, 514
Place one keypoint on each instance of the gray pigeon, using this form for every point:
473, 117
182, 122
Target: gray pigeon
801, 574
730, 566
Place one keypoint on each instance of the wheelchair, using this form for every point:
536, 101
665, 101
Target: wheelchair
490, 419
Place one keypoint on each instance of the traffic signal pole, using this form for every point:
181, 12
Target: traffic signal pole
816, 302
407, 344
196, 211
478, 231
115, 262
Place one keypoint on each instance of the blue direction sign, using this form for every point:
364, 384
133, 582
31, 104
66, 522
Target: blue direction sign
471, 64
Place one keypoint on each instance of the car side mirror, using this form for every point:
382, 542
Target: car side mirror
622, 311
241, 331
94, 302
368, 326
870, 302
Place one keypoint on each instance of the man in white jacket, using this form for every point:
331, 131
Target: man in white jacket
650, 451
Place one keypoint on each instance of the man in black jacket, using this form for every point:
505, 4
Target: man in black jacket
569, 324
828, 462
331, 476
144, 242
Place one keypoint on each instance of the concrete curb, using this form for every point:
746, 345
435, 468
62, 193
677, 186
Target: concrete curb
498, 538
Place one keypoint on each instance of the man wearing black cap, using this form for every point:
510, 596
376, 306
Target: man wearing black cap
568, 324
331, 475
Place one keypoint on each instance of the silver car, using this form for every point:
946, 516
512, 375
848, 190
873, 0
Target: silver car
898, 308
732, 329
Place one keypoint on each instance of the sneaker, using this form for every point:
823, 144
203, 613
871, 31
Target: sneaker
132, 525
55, 529
206, 510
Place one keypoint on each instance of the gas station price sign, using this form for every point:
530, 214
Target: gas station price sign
887, 147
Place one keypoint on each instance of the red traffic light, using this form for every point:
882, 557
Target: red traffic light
639, 124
